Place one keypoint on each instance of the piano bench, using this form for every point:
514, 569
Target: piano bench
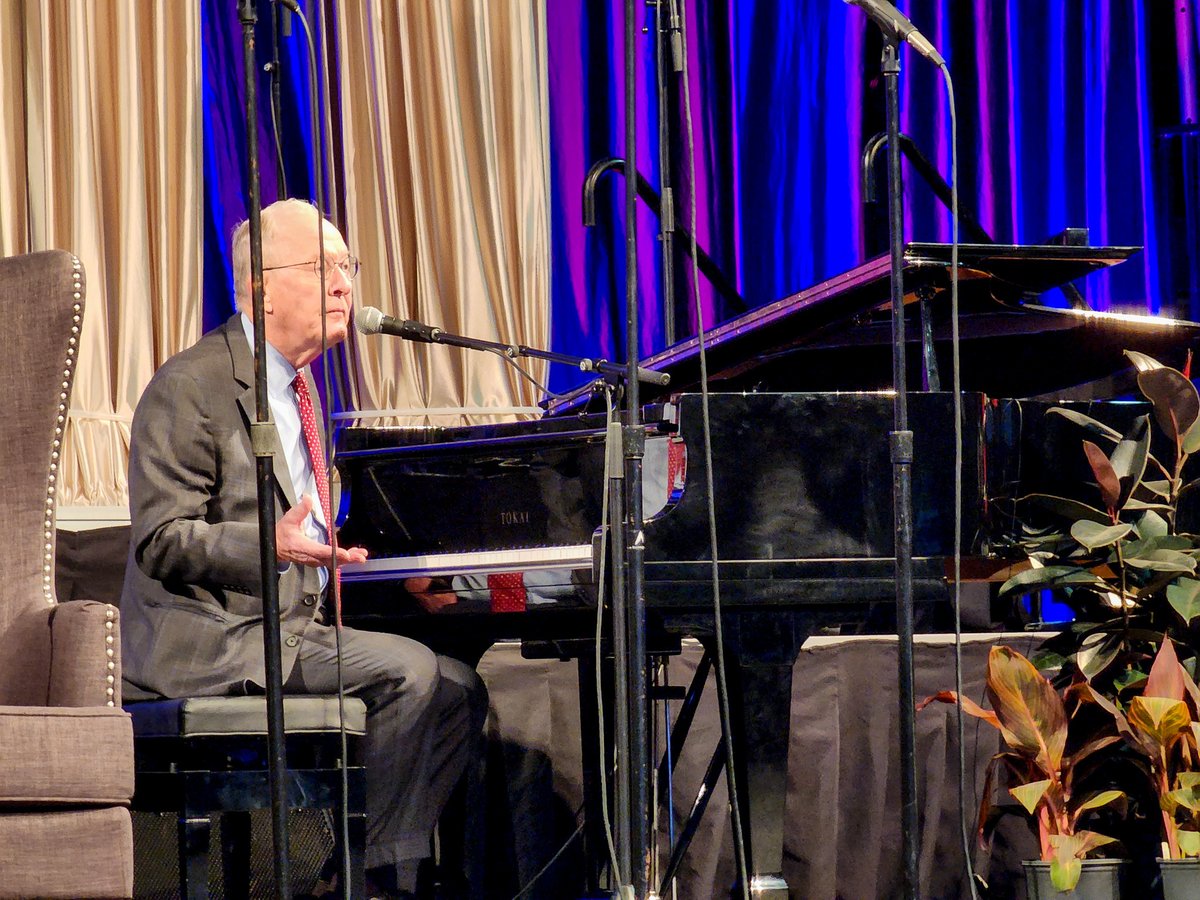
196, 756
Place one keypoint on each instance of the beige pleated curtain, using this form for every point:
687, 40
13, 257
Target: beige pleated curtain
447, 197
444, 145
100, 155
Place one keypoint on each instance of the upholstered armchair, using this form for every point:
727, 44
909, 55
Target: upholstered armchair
66, 746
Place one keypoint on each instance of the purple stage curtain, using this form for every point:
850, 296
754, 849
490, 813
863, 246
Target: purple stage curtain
1056, 130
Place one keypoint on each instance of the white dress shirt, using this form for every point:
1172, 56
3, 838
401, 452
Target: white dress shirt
285, 410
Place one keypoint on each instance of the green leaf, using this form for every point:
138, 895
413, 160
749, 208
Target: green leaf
1093, 426
1066, 507
1097, 652
1191, 440
1127, 679
1189, 842
1150, 524
1129, 458
1049, 576
1147, 545
1184, 596
1163, 561
1098, 800
1159, 718
1185, 797
1174, 398
1158, 488
1064, 872
1142, 504
1092, 534
1031, 794
1142, 362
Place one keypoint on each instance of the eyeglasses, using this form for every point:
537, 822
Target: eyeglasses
349, 267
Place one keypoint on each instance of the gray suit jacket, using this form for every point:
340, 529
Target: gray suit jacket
191, 613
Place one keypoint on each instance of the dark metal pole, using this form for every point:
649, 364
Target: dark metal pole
261, 440
620, 650
666, 32
273, 67
634, 439
901, 441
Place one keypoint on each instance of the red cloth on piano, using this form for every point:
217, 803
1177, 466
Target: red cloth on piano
508, 591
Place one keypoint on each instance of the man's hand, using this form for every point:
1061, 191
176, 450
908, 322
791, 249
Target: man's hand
292, 545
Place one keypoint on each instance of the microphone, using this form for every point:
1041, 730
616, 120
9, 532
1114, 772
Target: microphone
370, 320
893, 23
644, 375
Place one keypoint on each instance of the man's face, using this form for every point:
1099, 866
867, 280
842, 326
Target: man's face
292, 295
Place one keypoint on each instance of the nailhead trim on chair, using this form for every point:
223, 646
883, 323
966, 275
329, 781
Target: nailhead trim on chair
59, 425
110, 688
60, 422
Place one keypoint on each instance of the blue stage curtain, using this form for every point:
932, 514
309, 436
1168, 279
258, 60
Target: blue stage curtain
1055, 130
226, 175
226, 179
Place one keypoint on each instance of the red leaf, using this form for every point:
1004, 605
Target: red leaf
1166, 675
1106, 475
1031, 714
969, 706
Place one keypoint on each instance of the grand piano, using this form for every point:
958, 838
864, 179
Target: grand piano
493, 531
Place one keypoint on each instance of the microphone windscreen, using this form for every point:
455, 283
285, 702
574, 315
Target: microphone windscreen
369, 320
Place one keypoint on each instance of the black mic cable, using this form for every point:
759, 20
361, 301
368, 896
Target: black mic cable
331, 584
956, 368
723, 706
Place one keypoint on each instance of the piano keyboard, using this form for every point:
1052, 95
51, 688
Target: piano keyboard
484, 562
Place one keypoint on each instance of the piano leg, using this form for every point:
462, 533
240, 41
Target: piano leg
761, 650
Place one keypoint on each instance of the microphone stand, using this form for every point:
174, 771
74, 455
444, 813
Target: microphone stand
666, 33
901, 445
262, 432
628, 606
636, 832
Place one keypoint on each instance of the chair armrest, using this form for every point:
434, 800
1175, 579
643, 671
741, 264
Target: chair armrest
85, 655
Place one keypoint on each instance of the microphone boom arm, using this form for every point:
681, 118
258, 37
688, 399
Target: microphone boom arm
371, 321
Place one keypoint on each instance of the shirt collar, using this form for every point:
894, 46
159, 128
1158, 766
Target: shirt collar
280, 373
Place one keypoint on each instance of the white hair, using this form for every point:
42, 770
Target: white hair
269, 224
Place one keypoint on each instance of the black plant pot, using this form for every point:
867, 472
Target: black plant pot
1100, 880
1180, 878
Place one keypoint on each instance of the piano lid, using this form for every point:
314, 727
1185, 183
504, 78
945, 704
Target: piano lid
837, 334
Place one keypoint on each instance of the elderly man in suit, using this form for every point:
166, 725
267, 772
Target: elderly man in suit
191, 608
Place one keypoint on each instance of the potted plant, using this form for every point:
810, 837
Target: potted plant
1124, 558
1130, 571
1044, 763
1160, 723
